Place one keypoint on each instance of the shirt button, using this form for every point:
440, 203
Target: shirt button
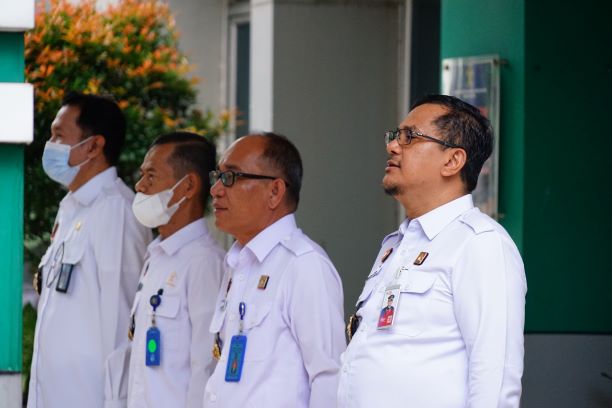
212, 397
241, 277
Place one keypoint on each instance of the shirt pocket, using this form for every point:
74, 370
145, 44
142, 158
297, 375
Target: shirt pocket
166, 319
368, 288
415, 296
73, 252
261, 340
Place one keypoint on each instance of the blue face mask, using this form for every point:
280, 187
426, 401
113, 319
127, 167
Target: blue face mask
55, 162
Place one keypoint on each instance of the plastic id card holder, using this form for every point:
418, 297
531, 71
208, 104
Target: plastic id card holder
153, 347
63, 282
235, 358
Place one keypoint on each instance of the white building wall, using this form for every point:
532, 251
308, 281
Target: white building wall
334, 93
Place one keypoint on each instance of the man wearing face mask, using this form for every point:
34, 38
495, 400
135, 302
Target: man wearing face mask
170, 359
89, 273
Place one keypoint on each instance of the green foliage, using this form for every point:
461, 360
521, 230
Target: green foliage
129, 51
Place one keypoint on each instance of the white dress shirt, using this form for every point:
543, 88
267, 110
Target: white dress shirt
96, 231
457, 339
294, 326
188, 266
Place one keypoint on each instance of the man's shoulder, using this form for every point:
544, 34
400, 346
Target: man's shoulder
203, 249
391, 238
479, 222
299, 244
117, 190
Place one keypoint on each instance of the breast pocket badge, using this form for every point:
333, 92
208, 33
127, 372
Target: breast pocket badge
389, 307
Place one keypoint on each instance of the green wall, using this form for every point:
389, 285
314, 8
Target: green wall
555, 102
567, 217
11, 218
474, 27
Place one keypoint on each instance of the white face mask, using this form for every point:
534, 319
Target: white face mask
152, 210
55, 162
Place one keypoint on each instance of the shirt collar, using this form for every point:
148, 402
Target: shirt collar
180, 238
437, 219
87, 193
263, 243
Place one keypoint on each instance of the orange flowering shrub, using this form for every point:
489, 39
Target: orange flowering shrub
130, 51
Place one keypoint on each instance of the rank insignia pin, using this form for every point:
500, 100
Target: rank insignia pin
171, 281
386, 255
263, 282
421, 258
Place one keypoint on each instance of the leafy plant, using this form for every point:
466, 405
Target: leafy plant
130, 51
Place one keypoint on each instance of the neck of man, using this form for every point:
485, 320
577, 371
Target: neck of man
188, 212
88, 171
420, 203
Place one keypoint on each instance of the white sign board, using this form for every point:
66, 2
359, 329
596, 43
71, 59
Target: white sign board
16, 15
16, 113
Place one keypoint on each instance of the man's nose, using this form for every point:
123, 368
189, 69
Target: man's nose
393, 147
139, 187
217, 188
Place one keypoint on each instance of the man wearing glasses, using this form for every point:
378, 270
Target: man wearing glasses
89, 273
457, 337
279, 315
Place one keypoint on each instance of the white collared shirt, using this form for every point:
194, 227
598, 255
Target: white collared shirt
294, 326
188, 266
75, 331
457, 338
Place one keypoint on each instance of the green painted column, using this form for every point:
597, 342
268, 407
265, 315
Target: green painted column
475, 27
11, 235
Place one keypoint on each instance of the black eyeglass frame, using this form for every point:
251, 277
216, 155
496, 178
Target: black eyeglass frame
216, 175
391, 135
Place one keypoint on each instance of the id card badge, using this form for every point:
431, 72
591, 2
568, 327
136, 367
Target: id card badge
389, 307
153, 347
63, 281
235, 358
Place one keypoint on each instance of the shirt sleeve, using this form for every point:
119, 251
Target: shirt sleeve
119, 245
204, 279
314, 310
489, 299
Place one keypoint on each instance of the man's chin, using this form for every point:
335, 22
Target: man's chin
392, 191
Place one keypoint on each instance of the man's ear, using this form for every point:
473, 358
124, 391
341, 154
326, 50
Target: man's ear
277, 193
193, 185
96, 148
455, 161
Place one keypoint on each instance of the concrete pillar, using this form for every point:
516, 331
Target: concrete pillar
326, 74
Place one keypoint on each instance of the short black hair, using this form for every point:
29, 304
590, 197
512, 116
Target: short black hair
464, 125
100, 115
191, 153
281, 154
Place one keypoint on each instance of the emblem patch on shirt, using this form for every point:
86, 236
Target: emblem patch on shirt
421, 258
171, 281
386, 255
263, 282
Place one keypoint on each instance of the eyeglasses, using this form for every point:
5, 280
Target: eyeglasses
228, 178
405, 135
